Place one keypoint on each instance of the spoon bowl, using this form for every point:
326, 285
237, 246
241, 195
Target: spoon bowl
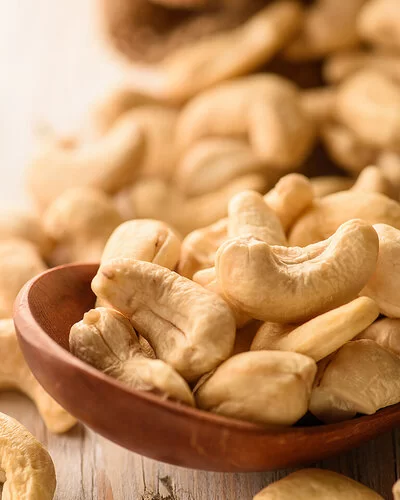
51, 303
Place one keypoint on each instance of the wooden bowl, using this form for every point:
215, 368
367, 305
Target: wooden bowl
51, 303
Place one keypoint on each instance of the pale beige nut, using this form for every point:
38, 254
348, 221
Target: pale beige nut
106, 340
249, 215
346, 149
326, 214
189, 327
383, 286
389, 164
329, 26
144, 239
80, 221
27, 467
319, 103
343, 64
385, 332
107, 164
266, 107
373, 180
290, 197
323, 186
200, 247
20, 261
288, 285
396, 490
18, 224
282, 382
191, 69
156, 199
16, 375
322, 335
316, 484
379, 23
368, 103
361, 377
211, 163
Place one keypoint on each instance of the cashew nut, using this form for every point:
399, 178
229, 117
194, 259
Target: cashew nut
322, 335
80, 221
373, 180
383, 286
16, 224
280, 385
265, 107
27, 466
210, 163
319, 103
396, 490
188, 326
323, 186
389, 163
200, 246
107, 164
279, 284
107, 341
368, 103
15, 374
155, 199
222, 56
361, 377
343, 64
324, 217
347, 149
316, 484
328, 27
144, 239
19, 261
379, 23
385, 332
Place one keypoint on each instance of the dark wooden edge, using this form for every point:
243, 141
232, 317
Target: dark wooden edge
25, 322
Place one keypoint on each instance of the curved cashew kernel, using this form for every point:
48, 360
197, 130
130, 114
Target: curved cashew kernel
379, 23
323, 186
385, 332
279, 284
368, 103
281, 380
289, 198
249, 215
389, 163
15, 374
81, 220
155, 199
343, 64
15, 224
316, 484
200, 65
362, 376
328, 27
144, 239
210, 163
383, 286
396, 490
19, 261
346, 149
322, 335
373, 180
188, 327
265, 107
107, 341
108, 164
319, 103
325, 216
27, 466
200, 246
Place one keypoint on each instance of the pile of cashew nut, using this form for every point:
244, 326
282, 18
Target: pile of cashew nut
228, 259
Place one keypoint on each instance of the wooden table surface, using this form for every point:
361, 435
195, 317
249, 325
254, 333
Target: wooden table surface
53, 65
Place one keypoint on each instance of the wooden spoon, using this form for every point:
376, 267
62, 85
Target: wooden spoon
46, 309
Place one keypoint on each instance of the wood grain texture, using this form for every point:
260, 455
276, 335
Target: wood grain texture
53, 67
